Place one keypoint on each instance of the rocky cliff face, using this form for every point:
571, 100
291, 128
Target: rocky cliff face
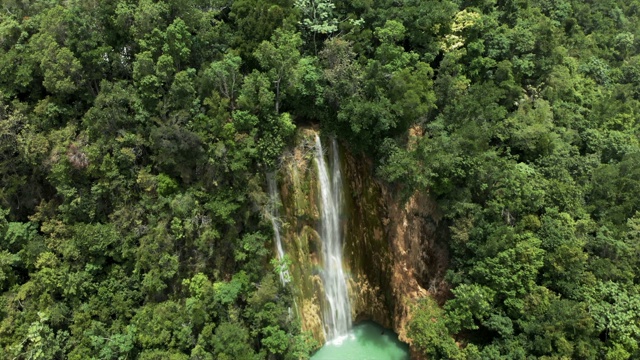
390, 250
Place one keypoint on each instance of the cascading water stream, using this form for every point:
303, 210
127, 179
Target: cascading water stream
274, 215
337, 313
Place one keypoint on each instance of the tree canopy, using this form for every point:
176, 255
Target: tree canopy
135, 135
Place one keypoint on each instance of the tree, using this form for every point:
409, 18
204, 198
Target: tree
429, 333
224, 76
230, 342
280, 57
317, 17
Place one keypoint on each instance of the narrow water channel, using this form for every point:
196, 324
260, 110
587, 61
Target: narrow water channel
365, 341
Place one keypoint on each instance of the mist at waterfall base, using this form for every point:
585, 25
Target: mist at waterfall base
365, 341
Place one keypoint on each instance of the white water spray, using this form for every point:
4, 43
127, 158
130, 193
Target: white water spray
274, 215
337, 313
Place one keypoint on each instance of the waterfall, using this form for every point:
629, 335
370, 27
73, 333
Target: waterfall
337, 313
274, 215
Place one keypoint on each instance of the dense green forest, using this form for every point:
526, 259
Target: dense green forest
135, 136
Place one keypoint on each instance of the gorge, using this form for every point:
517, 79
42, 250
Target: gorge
356, 253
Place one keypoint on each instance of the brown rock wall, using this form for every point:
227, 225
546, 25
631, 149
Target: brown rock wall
391, 250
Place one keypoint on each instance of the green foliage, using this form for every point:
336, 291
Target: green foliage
615, 313
280, 57
230, 342
531, 156
224, 76
134, 135
429, 333
256, 21
317, 16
